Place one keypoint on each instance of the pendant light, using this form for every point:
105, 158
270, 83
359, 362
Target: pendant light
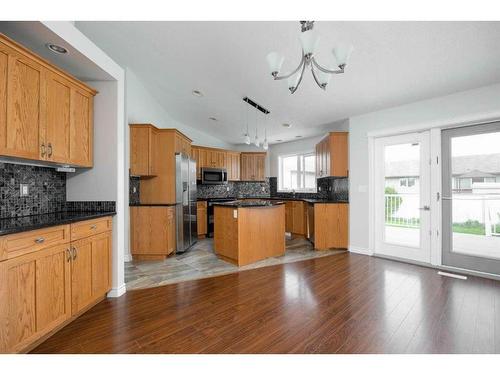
257, 141
265, 145
247, 136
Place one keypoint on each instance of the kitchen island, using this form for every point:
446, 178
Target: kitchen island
248, 231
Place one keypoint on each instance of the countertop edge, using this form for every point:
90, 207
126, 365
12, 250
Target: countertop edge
27, 228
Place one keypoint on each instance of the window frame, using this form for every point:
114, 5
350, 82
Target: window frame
301, 174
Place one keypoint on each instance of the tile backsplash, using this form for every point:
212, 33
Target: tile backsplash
235, 189
47, 190
332, 188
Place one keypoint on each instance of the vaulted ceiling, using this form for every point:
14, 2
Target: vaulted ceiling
393, 63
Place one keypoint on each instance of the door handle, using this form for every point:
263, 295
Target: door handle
447, 198
68, 255
49, 152
425, 208
73, 249
42, 149
40, 240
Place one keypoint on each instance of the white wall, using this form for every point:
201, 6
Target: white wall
142, 108
459, 108
100, 182
109, 152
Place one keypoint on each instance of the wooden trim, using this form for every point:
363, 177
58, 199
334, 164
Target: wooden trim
45, 63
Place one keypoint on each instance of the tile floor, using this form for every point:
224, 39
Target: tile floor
200, 262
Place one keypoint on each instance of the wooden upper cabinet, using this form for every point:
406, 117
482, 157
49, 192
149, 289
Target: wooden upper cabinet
45, 114
182, 144
57, 118
253, 166
21, 127
332, 155
143, 143
233, 165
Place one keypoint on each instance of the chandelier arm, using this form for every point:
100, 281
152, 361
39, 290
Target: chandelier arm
302, 62
324, 70
316, 78
300, 78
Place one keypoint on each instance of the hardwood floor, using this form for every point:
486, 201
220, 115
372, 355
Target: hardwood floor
346, 303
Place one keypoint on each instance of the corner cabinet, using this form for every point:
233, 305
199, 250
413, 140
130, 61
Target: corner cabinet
332, 155
45, 114
253, 166
50, 276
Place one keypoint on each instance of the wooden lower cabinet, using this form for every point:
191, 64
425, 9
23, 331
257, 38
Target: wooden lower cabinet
201, 216
331, 228
152, 232
90, 270
295, 217
43, 290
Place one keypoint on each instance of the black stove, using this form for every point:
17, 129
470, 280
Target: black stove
210, 212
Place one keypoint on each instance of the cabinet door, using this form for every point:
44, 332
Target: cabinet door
203, 158
57, 109
35, 295
298, 225
201, 213
317, 157
139, 150
288, 217
260, 167
53, 287
339, 155
171, 239
21, 126
81, 128
195, 155
81, 275
244, 167
236, 167
101, 264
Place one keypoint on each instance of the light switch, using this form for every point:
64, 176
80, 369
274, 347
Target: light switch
24, 190
235, 214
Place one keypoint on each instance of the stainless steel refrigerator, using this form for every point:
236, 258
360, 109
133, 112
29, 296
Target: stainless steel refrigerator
185, 193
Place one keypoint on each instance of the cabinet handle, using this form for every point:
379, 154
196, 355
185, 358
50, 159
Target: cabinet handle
42, 149
49, 153
73, 249
68, 255
93, 226
40, 240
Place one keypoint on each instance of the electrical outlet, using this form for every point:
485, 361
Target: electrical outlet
263, 189
227, 188
23, 190
134, 190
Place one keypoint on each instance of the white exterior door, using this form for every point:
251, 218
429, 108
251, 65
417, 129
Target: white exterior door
402, 197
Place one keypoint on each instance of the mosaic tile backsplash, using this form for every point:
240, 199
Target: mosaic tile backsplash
235, 189
331, 188
47, 190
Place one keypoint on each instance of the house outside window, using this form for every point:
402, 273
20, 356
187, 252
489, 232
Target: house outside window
297, 172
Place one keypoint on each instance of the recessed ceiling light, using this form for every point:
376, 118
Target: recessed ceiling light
213, 118
279, 140
298, 136
287, 125
197, 93
56, 48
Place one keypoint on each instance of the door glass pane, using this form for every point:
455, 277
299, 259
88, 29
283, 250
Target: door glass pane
402, 194
475, 168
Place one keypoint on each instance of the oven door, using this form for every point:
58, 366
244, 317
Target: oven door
213, 176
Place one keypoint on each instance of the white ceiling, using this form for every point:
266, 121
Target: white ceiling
34, 35
393, 63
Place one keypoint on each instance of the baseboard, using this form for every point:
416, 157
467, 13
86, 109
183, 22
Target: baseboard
117, 292
360, 250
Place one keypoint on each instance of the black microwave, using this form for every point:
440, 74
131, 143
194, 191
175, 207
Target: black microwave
213, 176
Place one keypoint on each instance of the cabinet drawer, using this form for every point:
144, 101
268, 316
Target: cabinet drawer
17, 244
90, 227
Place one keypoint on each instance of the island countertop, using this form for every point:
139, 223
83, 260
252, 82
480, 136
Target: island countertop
250, 203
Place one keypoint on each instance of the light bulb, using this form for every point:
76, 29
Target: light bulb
275, 61
323, 78
309, 40
292, 81
342, 54
247, 139
265, 145
257, 142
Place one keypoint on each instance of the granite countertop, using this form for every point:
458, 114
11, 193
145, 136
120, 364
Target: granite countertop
307, 200
26, 223
249, 204
152, 204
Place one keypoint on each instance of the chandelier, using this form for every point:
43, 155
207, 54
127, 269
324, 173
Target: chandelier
309, 40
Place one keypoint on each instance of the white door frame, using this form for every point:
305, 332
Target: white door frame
422, 252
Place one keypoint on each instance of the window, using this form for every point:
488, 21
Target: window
297, 172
